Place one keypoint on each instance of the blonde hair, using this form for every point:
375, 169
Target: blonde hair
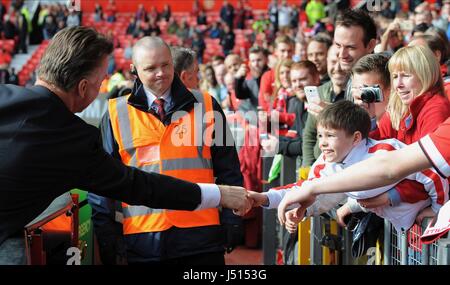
282, 63
417, 60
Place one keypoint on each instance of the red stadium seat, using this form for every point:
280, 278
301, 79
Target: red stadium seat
8, 45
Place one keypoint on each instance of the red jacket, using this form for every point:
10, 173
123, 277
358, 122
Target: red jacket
284, 118
428, 112
266, 89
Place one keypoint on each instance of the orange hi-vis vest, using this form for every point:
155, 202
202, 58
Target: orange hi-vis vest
180, 149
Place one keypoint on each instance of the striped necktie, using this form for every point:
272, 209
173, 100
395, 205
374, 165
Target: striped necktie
159, 103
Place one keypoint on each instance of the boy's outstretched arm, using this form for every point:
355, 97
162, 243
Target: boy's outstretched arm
377, 171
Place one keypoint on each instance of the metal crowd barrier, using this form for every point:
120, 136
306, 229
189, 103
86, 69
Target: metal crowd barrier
273, 233
405, 248
323, 242
329, 244
332, 245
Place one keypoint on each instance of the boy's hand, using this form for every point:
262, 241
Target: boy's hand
293, 217
341, 213
258, 199
426, 213
304, 196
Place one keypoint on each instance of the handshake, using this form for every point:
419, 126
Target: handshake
242, 201
236, 198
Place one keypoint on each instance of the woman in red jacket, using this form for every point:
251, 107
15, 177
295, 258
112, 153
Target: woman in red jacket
417, 106
282, 94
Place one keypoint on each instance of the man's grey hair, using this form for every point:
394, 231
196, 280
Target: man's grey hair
73, 54
147, 43
183, 58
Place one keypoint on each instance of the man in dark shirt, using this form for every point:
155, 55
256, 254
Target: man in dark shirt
248, 88
46, 150
227, 13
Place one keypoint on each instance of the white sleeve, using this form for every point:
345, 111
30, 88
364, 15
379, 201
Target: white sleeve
325, 202
354, 206
275, 196
210, 196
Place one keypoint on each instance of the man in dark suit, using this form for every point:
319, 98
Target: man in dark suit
46, 150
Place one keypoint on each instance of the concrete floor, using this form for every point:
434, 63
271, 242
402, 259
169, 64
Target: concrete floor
244, 256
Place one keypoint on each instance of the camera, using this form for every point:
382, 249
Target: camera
371, 94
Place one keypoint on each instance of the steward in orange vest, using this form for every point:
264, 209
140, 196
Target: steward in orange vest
182, 146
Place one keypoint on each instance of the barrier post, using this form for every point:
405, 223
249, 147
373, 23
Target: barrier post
269, 242
304, 231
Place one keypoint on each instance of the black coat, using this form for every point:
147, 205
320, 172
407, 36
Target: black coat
46, 150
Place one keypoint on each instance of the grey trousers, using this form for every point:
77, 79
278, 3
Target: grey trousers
12, 251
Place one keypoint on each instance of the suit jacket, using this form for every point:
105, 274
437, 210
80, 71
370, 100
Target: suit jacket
46, 150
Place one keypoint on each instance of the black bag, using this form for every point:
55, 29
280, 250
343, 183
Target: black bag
365, 233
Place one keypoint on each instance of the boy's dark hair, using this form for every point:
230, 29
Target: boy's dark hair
374, 63
358, 17
347, 116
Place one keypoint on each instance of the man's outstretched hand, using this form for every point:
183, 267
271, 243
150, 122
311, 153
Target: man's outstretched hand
235, 198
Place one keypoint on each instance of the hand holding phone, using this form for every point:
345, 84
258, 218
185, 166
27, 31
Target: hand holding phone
312, 94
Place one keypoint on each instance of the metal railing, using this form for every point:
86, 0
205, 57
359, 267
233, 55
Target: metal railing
405, 248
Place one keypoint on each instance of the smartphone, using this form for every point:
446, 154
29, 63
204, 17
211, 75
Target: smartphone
312, 94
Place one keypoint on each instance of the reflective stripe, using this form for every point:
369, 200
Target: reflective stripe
197, 95
132, 211
133, 157
186, 163
125, 127
151, 168
118, 217
199, 115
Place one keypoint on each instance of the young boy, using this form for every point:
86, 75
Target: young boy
342, 130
